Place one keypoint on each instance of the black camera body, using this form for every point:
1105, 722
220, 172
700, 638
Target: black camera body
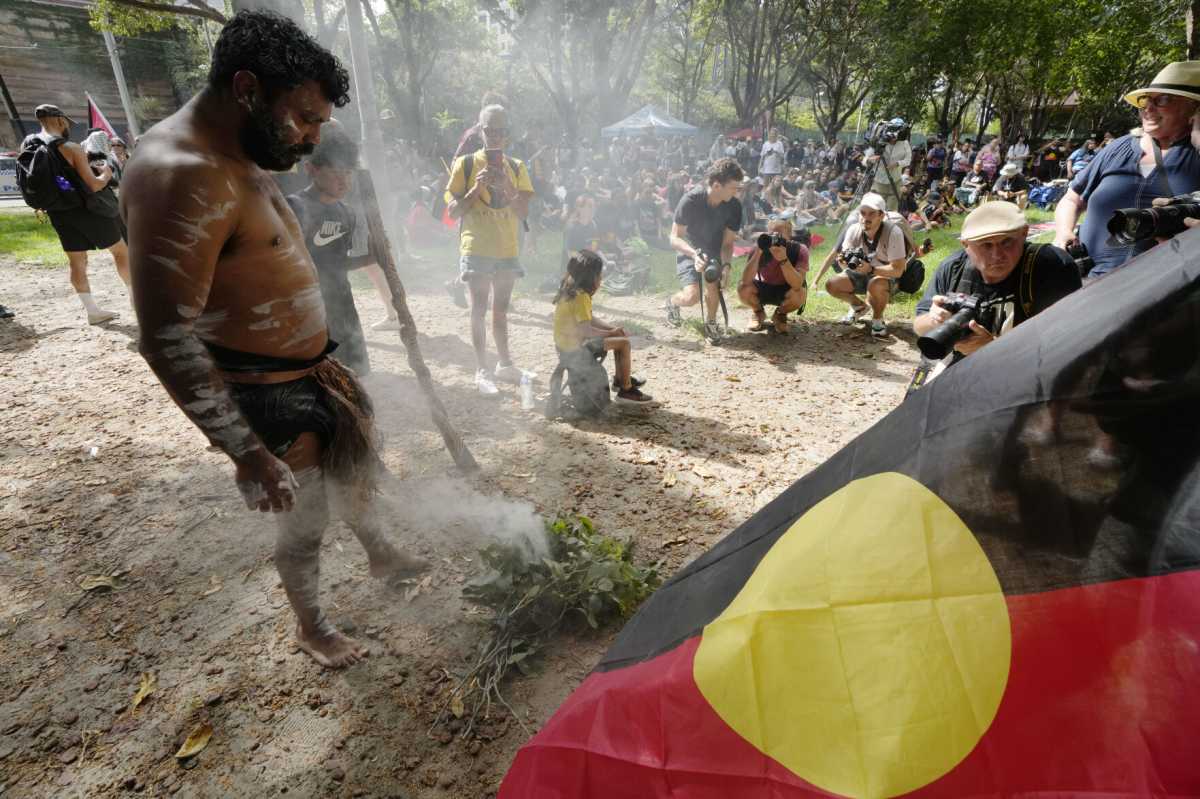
1133, 225
1083, 261
884, 132
854, 258
768, 240
964, 309
712, 268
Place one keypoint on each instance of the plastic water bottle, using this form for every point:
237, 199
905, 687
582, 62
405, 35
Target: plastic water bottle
526, 392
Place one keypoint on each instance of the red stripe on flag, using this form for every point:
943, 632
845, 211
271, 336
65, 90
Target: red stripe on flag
96, 119
1103, 700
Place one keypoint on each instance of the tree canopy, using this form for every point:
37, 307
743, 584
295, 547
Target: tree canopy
572, 66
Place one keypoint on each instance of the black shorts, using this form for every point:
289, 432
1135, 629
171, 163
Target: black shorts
771, 294
80, 230
280, 412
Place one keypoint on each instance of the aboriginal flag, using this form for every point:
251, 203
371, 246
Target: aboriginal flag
995, 591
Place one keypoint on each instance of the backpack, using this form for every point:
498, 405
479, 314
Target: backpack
913, 279
587, 382
469, 167
43, 176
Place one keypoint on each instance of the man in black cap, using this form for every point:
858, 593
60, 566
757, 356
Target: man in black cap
79, 228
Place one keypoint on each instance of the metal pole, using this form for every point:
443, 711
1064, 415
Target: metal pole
12, 109
119, 74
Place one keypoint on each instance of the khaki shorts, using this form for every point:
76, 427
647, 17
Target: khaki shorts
859, 281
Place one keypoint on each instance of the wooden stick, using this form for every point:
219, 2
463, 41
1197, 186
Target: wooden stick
382, 250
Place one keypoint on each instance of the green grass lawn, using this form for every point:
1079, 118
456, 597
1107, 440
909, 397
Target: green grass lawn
30, 239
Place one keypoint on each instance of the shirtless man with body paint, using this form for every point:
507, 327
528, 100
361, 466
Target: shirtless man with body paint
230, 309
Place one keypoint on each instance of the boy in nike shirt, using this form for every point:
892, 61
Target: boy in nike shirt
328, 227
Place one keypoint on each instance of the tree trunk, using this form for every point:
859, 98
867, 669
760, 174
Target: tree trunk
382, 251
1193, 30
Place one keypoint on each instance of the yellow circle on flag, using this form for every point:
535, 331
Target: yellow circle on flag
869, 650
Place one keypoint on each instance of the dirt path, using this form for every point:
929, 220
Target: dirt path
100, 474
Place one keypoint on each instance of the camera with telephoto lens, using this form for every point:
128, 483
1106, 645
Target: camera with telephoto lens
964, 309
1132, 225
768, 240
888, 132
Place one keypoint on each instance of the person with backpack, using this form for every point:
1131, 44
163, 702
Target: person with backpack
55, 176
998, 264
873, 255
470, 141
490, 193
580, 337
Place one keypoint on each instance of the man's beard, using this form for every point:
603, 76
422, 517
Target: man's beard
266, 145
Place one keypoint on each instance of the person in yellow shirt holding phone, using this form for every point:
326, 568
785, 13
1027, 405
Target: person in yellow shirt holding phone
490, 192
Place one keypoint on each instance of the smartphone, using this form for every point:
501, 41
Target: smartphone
494, 157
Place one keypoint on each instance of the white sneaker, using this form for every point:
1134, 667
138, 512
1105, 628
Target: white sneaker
852, 315
485, 385
511, 374
390, 323
879, 328
101, 316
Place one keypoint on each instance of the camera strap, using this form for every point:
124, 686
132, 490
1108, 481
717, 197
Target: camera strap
1025, 286
1162, 170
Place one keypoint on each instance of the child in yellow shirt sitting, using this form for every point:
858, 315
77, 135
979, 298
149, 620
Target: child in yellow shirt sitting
576, 329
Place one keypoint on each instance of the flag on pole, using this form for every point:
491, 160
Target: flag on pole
96, 118
995, 591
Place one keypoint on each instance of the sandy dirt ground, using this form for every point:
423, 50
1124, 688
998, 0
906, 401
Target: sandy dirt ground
101, 475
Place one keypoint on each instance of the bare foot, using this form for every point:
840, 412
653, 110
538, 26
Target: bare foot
332, 648
391, 564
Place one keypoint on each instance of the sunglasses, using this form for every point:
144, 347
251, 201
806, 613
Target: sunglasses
496, 131
1158, 101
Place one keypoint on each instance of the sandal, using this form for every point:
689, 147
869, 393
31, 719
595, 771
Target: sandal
780, 323
759, 325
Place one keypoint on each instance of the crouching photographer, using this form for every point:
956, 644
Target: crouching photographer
873, 255
775, 275
997, 281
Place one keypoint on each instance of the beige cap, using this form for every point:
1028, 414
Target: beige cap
875, 201
1181, 78
992, 219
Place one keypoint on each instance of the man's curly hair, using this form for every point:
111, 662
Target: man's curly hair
279, 53
724, 170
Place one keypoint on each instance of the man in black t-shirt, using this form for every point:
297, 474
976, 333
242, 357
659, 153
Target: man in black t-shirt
706, 224
328, 225
1011, 186
998, 263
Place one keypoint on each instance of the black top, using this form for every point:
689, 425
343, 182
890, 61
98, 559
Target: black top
1012, 183
328, 230
1054, 277
706, 225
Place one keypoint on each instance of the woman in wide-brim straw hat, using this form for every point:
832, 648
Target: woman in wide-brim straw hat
1134, 170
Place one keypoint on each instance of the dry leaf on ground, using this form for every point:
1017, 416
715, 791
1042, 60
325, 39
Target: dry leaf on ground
196, 741
215, 585
147, 686
100, 581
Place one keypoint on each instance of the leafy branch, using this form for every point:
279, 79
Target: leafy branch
585, 578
